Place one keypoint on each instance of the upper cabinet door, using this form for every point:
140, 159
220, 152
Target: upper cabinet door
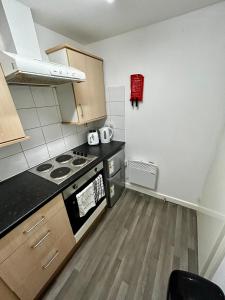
11, 130
81, 89
89, 96
96, 87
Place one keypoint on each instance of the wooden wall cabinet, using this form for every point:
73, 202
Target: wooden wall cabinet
11, 130
32, 252
82, 102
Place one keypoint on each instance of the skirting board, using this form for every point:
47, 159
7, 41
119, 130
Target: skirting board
197, 207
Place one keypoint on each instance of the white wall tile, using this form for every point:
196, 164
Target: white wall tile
82, 138
36, 155
59, 113
117, 108
40, 115
82, 128
72, 141
29, 118
108, 108
116, 93
68, 129
52, 132
10, 150
48, 115
12, 165
119, 135
117, 122
36, 138
43, 96
22, 96
55, 96
57, 147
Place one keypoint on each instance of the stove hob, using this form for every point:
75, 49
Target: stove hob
60, 173
79, 162
44, 168
63, 166
64, 158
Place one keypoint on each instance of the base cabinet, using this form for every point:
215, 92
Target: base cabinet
85, 101
6, 293
27, 269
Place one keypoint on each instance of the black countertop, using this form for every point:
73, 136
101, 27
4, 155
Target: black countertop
25, 193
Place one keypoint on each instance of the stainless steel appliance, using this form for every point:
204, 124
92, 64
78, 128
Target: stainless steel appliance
79, 222
60, 168
115, 174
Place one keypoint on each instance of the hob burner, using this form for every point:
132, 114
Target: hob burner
63, 158
60, 173
44, 167
79, 162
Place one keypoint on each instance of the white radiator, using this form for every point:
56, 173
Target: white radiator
143, 173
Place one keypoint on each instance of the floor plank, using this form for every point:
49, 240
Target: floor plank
131, 253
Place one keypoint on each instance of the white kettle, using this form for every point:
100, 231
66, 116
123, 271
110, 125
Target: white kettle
106, 134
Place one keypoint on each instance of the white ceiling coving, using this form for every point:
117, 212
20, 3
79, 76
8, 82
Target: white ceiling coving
87, 21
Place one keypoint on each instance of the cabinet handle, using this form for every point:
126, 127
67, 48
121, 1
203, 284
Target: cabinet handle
41, 240
51, 260
81, 108
34, 226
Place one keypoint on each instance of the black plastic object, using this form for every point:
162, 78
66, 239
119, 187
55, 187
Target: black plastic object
188, 286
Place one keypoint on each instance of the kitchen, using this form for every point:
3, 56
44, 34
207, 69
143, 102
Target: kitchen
102, 197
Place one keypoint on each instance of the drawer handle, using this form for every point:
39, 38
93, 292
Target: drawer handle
51, 260
41, 240
34, 226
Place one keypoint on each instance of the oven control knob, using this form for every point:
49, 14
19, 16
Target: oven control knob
81, 154
96, 170
75, 186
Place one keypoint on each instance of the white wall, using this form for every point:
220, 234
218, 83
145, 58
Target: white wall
182, 116
210, 228
214, 188
219, 276
48, 39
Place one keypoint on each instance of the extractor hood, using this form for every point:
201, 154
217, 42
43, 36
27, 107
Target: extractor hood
28, 71
25, 66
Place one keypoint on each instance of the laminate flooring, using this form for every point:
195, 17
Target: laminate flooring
131, 253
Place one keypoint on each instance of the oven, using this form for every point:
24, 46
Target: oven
85, 200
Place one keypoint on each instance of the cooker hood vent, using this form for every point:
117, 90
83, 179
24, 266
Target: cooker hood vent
17, 34
28, 71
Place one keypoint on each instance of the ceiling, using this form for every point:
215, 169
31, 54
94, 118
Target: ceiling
87, 21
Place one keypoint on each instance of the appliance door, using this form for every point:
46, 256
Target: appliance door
72, 206
116, 186
115, 163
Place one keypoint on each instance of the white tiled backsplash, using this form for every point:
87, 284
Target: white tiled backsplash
115, 104
39, 112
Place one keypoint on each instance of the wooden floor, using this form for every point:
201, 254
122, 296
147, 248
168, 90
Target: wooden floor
131, 253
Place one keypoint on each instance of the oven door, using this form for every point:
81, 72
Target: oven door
116, 186
72, 206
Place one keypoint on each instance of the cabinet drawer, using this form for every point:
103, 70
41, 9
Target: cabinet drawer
29, 228
31, 265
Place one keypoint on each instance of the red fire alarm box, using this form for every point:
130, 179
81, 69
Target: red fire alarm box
136, 88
